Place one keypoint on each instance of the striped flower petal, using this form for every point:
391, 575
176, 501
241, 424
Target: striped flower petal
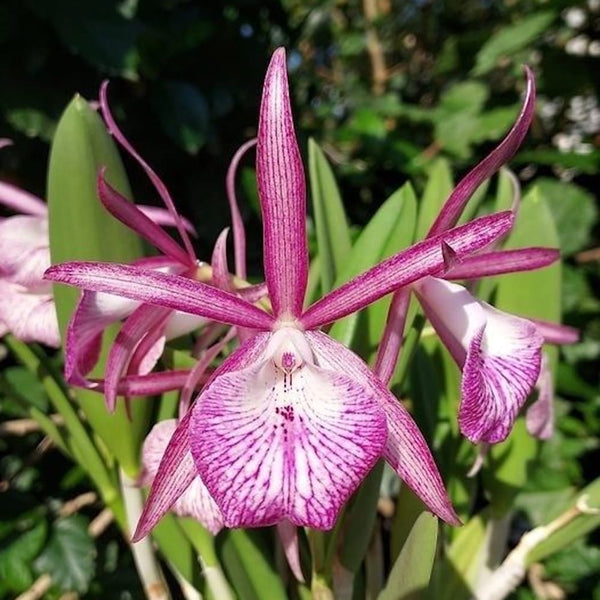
406, 449
285, 438
282, 192
195, 501
500, 357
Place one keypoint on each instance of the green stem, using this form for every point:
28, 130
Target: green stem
79, 442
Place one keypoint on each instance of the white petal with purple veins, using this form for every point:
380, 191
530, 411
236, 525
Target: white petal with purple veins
284, 438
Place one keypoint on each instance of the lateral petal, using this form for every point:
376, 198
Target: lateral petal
272, 445
93, 314
282, 192
405, 450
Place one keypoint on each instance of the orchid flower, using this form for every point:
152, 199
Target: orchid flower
500, 355
288, 425
146, 328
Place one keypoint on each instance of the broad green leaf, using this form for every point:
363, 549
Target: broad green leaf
250, 565
333, 236
574, 211
368, 249
81, 229
411, 572
509, 39
454, 577
17, 554
474, 202
177, 549
359, 520
534, 293
508, 467
69, 557
439, 185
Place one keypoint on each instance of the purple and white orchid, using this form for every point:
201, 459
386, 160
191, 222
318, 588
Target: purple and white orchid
289, 425
500, 355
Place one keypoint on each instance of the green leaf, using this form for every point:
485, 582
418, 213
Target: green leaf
69, 557
412, 570
454, 577
509, 39
574, 211
359, 520
508, 468
369, 247
16, 554
535, 293
250, 565
81, 229
439, 185
333, 236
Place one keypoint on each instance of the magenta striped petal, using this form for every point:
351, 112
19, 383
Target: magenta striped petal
93, 314
137, 325
456, 202
488, 264
282, 192
539, 417
555, 333
21, 201
499, 355
284, 438
239, 232
420, 260
151, 384
220, 276
405, 450
174, 475
391, 340
129, 214
195, 501
160, 187
160, 289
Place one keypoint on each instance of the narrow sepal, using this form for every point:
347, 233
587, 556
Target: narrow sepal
161, 289
507, 148
488, 264
404, 268
282, 191
131, 215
